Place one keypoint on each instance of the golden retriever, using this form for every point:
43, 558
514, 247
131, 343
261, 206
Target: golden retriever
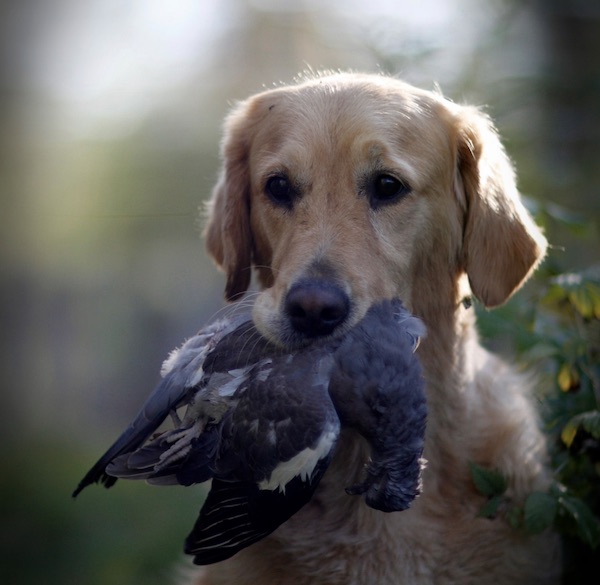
344, 189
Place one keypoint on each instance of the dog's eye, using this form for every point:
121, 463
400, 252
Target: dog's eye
280, 191
388, 189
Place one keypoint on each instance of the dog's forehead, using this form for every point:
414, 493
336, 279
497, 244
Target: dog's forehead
346, 105
357, 117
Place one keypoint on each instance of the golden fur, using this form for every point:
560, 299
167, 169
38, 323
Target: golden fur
461, 230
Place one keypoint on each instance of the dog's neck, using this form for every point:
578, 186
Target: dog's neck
447, 355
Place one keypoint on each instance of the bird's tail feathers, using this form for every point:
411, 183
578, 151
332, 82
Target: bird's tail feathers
96, 474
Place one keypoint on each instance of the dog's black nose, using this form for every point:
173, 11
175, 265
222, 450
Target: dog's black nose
316, 307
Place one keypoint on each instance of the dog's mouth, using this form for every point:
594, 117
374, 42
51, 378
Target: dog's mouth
313, 309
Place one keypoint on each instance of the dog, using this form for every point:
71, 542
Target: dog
345, 189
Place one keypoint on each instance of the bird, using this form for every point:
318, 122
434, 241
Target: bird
262, 423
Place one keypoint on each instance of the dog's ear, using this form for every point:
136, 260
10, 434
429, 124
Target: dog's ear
227, 232
501, 243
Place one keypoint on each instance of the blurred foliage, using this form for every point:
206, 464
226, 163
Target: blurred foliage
132, 535
553, 327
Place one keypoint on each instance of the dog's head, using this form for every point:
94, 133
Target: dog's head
347, 189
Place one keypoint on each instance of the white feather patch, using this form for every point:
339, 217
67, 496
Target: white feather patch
302, 464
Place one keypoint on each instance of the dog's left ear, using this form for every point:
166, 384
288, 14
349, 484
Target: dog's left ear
227, 232
501, 243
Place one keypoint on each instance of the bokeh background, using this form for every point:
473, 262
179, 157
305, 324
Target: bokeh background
110, 118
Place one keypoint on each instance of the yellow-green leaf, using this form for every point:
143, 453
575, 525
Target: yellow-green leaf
582, 302
569, 431
567, 377
594, 294
589, 421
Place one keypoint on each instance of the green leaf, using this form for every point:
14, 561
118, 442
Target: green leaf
569, 431
554, 294
567, 377
514, 516
539, 511
489, 482
581, 289
491, 507
588, 421
588, 527
593, 290
582, 301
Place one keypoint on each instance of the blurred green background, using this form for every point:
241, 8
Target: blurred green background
110, 114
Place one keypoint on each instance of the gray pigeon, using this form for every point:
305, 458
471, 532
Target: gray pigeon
262, 422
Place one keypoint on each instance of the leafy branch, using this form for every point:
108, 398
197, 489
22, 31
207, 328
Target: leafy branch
556, 508
555, 329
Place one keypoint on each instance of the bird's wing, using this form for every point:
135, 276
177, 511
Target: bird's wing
166, 397
185, 454
172, 458
277, 444
218, 371
182, 371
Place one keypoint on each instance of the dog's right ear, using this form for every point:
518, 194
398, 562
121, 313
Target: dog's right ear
501, 244
227, 232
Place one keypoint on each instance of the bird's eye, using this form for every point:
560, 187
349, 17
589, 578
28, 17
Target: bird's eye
387, 189
280, 191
